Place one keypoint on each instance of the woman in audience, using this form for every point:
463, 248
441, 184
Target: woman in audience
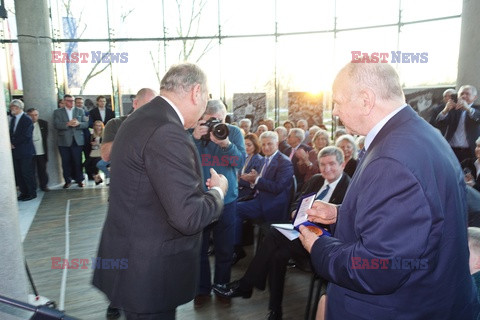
349, 148
261, 129
471, 168
288, 125
311, 134
254, 161
308, 163
95, 156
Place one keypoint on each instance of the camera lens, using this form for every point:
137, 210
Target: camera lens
220, 131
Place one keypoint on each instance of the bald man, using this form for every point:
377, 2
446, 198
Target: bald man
399, 249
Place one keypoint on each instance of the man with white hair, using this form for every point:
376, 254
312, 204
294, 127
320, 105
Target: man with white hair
272, 188
461, 120
402, 223
245, 124
23, 150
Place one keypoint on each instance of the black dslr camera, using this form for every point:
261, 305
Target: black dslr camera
215, 126
454, 97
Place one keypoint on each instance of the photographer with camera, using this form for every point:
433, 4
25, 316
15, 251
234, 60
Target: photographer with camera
222, 147
461, 119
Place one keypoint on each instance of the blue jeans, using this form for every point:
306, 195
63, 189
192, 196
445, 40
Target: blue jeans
223, 236
102, 165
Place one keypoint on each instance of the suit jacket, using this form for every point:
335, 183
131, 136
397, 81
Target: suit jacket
157, 211
274, 188
44, 132
67, 134
256, 162
299, 175
414, 217
282, 146
472, 125
22, 138
94, 115
470, 164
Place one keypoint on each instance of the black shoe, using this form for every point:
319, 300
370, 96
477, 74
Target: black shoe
113, 313
231, 290
201, 300
45, 189
27, 198
274, 315
67, 185
22, 196
238, 254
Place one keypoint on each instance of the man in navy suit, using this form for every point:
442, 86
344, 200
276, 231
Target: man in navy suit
21, 131
400, 248
461, 122
272, 188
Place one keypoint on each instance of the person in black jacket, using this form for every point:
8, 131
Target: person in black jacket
40, 136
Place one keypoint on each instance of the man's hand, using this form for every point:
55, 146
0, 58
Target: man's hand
302, 155
73, 123
322, 212
449, 106
462, 105
217, 180
307, 238
250, 177
200, 130
221, 143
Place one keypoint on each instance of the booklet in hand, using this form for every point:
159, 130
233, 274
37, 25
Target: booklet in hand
291, 230
301, 216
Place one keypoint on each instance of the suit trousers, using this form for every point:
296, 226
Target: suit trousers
270, 262
165, 315
71, 162
40, 167
25, 176
222, 232
246, 210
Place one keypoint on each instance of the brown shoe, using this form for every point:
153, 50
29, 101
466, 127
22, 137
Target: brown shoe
67, 185
80, 184
224, 300
200, 300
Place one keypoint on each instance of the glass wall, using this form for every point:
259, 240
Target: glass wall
270, 46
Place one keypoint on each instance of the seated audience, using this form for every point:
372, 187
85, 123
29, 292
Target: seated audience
261, 129
294, 139
270, 124
303, 124
271, 190
474, 261
338, 133
311, 134
282, 139
288, 125
471, 168
347, 144
272, 257
308, 163
245, 124
253, 162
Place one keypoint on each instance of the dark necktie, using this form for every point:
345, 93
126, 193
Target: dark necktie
323, 193
361, 154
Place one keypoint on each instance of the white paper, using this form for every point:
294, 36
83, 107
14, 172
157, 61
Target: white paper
290, 234
306, 204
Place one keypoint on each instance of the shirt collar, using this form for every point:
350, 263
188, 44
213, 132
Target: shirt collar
332, 185
376, 129
19, 115
176, 110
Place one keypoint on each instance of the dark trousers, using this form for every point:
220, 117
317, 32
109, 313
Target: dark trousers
463, 153
270, 262
25, 176
222, 233
246, 210
165, 315
40, 167
72, 162
91, 166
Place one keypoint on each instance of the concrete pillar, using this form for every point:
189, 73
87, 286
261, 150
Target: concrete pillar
35, 45
468, 61
13, 281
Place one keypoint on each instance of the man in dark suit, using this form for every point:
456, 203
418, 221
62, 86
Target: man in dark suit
271, 259
70, 122
100, 112
294, 139
40, 136
156, 226
21, 130
272, 188
461, 120
402, 224
447, 94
